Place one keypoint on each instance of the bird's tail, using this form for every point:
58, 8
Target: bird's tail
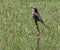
45, 25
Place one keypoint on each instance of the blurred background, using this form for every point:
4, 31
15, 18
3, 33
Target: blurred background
17, 27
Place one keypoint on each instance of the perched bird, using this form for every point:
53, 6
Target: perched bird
36, 16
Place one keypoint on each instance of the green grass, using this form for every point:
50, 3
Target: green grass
17, 27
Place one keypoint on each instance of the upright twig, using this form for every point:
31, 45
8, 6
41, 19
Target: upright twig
37, 38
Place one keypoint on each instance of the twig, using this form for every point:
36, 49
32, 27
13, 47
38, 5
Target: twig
38, 39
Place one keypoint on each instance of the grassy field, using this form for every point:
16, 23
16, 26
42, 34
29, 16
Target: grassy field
17, 27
